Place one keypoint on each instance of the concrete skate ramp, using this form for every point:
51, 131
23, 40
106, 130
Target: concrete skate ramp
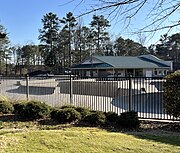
33, 90
36, 87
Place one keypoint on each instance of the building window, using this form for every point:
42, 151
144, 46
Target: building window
160, 72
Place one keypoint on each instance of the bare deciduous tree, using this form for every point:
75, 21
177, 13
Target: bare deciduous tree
158, 12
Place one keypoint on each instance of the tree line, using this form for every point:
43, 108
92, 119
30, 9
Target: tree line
66, 42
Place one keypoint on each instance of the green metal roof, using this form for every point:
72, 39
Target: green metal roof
98, 65
125, 62
131, 62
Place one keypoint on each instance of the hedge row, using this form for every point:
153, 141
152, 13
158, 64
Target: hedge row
33, 110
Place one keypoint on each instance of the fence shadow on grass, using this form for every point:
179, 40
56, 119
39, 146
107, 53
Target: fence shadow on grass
172, 138
163, 132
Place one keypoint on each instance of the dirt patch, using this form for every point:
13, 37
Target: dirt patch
7, 117
165, 126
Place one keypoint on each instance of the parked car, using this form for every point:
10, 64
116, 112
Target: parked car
40, 74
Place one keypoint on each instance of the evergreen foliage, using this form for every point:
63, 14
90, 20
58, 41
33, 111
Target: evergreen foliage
96, 118
111, 116
83, 111
6, 107
66, 115
32, 110
172, 94
128, 120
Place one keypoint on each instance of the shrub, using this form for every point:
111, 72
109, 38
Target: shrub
19, 109
6, 107
128, 120
67, 106
66, 115
111, 116
83, 111
172, 94
4, 98
54, 113
95, 118
34, 110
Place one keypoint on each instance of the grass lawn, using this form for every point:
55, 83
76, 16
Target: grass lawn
29, 138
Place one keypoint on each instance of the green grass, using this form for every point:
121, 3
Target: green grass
22, 139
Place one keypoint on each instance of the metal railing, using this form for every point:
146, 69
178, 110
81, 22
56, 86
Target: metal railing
117, 94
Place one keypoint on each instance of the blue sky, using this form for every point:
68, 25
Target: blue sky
22, 19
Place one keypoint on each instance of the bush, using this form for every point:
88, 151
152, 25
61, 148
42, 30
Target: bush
32, 110
83, 111
66, 115
6, 107
67, 106
54, 113
95, 118
19, 109
128, 120
111, 116
172, 94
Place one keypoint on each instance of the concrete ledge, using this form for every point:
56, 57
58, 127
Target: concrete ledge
40, 83
33, 90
